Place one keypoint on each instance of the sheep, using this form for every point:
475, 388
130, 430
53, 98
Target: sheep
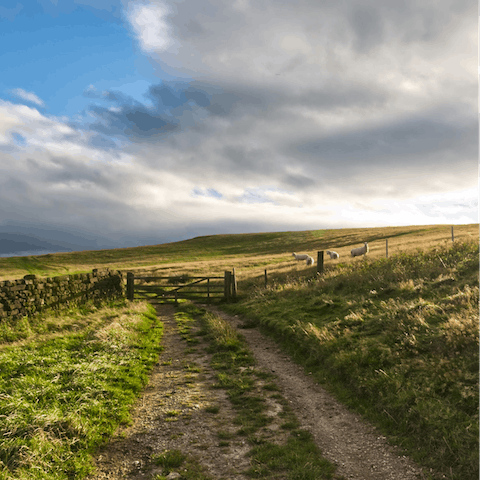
303, 256
360, 250
300, 256
333, 255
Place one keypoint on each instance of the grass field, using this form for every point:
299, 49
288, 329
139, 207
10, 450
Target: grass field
67, 381
396, 339
249, 253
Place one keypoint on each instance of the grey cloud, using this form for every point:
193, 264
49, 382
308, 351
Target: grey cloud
402, 141
299, 181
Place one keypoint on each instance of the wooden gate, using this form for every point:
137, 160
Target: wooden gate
161, 289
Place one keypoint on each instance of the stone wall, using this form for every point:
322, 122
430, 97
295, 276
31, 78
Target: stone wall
32, 294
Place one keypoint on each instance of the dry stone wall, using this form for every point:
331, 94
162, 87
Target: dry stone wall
32, 294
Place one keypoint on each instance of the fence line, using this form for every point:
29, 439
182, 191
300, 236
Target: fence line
190, 287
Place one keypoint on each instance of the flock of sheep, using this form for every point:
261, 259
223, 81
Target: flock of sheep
355, 252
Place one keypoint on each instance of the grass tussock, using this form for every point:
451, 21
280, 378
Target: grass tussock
64, 395
396, 339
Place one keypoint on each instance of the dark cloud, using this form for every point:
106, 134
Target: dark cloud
401, 142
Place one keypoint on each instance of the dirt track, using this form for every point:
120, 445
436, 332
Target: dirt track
357, 448
171, 415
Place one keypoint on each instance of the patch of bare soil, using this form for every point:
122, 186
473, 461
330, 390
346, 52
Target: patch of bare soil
356, 447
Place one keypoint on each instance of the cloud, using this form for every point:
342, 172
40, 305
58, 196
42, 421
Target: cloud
28, 96
281, 115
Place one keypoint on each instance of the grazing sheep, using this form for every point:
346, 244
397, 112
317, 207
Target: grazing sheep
301, 256
310, 260
356, 252
333, 255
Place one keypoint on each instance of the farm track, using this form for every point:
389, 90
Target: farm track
355, 446
171, 414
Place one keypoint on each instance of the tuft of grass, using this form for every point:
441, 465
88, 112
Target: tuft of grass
172, 460
169, 459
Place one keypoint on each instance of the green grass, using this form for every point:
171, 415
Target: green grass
236, 373
64, 395
397, 340
174, 460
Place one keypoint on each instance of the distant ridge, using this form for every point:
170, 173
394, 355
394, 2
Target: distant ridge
13, 244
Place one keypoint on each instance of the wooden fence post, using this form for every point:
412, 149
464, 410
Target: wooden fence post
208, 290
452, 234
227, 288
130, 281
320, 261
234, 285
386, 246
265, 278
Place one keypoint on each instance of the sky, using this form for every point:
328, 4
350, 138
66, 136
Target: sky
127, 123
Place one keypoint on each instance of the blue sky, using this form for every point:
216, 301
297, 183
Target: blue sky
126, 123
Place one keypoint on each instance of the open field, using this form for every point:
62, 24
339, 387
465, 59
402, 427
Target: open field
395, 339
249, 253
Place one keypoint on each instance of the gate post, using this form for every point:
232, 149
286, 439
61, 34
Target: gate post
130, 281
234, 285
320, 261
227, 287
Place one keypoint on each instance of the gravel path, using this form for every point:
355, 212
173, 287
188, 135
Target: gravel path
172, 413
356, 447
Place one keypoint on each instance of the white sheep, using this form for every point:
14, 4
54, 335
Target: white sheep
333, 255
356, 252
303, 256
300, 256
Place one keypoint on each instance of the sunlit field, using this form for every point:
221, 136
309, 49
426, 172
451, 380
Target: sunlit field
249, 254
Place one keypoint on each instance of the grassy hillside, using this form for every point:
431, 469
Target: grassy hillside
249, 252
396, 339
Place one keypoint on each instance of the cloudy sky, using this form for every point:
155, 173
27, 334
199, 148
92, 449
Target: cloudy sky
125, 123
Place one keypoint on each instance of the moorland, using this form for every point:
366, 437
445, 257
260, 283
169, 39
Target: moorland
395, 339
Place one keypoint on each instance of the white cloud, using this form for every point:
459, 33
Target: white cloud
28, 96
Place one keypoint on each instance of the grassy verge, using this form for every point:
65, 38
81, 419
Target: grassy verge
67, 381
291, 454
397, 340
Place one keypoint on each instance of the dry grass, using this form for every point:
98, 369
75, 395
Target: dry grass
250, 254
